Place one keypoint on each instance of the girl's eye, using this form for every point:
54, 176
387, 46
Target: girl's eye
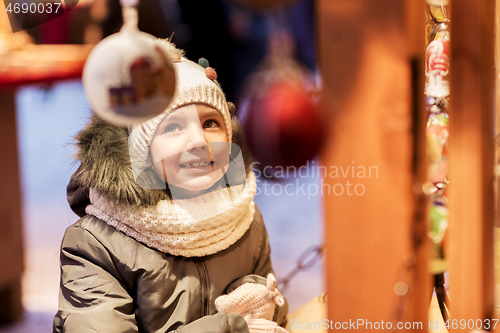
210, 123
172, 128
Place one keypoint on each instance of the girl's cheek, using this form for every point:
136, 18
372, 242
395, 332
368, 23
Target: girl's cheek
218, 135
220, 152
159, 171
166, 149
161, 156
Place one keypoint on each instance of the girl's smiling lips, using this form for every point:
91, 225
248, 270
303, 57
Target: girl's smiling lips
196, 164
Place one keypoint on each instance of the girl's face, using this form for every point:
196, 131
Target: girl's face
190, 150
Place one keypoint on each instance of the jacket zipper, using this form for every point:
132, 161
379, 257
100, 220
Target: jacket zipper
202, 271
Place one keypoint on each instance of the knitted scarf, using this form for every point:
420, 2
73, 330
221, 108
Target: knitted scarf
195, 227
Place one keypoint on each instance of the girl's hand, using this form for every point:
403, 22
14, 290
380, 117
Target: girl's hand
264, 326
252, 300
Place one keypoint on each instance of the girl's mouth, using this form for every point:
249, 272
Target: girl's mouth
196, 165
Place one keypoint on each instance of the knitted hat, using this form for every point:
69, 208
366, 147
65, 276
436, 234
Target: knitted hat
251, 300
193, 87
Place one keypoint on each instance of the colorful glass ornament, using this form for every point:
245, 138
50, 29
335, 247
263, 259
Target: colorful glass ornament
437, 58
437, 55
437, 66
439, 219
437, 145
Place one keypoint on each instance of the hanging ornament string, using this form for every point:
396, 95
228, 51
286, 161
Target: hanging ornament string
129, 13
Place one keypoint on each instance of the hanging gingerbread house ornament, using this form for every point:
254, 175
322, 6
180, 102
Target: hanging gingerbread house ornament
127, 78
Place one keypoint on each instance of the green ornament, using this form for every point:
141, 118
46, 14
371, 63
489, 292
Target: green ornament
203, 62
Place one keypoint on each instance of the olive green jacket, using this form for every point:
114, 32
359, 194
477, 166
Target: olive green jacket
112, 283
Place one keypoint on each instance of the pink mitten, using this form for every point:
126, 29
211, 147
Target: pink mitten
257, 325
252, 300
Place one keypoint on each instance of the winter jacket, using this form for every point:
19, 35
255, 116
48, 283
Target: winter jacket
112, 283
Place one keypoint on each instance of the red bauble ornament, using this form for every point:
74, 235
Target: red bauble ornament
283, 125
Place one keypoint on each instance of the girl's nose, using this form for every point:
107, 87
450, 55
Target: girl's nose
196, 137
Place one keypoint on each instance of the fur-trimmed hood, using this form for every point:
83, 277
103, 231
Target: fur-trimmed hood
105, 165
103, 153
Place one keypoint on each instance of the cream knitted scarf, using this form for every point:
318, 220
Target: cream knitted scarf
200, 226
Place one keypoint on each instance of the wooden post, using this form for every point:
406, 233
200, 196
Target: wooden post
472, 72
496, 250
371, 58
11, 245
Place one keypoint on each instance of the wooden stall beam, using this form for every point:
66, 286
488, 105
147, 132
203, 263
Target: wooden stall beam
11, 236
470, 243
371, 59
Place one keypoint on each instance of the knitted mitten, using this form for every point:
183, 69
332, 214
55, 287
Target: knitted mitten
252, 300
257, 325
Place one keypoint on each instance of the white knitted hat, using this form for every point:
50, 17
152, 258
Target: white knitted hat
192, 87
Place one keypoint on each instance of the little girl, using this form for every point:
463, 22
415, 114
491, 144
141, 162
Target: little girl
168, 221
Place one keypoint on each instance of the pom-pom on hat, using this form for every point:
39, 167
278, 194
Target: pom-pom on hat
194, 86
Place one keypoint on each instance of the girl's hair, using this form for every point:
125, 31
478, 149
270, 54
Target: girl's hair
105, 164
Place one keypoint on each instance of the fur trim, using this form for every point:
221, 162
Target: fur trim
105, 165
